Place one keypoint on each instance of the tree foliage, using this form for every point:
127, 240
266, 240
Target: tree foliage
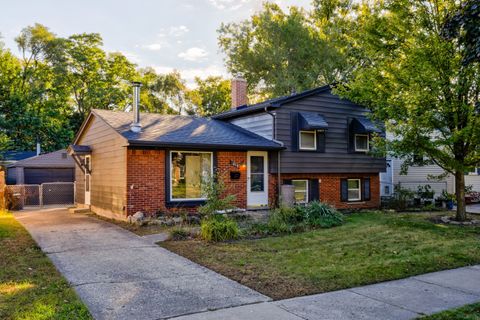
278, 52
48, 90
415, 81
211, 96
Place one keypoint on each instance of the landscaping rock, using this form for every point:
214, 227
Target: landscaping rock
445, 219
177, 220
137, 218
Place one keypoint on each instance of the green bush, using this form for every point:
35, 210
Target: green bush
318, 214
218, 228
179, 234
215, 192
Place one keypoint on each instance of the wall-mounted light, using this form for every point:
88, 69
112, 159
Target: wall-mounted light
237, 165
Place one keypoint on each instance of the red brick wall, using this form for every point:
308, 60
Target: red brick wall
146, 180
330, 189
237, 187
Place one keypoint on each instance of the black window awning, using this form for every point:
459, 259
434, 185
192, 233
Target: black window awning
311, 121
363, 124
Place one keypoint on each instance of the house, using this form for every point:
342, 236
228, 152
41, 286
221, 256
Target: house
154, 163
55, 166
9, 157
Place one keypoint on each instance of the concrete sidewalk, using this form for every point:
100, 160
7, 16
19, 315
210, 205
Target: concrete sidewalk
401, 299
120, 275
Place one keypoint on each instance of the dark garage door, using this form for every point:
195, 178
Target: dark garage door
42, 175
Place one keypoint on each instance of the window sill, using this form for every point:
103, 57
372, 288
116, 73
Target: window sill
184, 203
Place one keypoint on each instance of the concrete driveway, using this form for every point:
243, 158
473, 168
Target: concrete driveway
120, 275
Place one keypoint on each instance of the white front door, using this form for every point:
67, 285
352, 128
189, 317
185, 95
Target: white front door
257, 179
88, 179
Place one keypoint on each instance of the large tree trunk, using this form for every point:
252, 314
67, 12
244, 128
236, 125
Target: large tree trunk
460, 194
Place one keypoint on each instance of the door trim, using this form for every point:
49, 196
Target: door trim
257, 199
88, 176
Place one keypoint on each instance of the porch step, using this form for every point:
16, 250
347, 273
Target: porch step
79, 210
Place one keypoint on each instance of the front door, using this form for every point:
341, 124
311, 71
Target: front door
88, 179
257, 179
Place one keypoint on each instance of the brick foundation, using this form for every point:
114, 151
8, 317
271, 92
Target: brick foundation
329, 187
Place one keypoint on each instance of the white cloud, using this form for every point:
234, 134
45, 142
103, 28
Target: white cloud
228, 4
153, 46
174, 31
132, 57
193, 54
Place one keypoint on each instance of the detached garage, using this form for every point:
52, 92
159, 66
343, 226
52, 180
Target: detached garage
55, 166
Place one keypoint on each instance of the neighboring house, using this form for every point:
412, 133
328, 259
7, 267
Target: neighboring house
418, 175
155, 163
55, 166
9, 157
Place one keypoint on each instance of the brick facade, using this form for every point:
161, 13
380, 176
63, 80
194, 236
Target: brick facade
239, 92
329, 187
238, 187
146, 183
146, 180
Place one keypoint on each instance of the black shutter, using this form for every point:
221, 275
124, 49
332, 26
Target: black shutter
321, 141
344, 190
478, 170
366, 189
313, 190
287, 181
295, 132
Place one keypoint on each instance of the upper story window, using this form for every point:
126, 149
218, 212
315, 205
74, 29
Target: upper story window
188, 170
362, 142
308, 140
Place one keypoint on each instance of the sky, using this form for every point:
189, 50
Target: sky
163, 34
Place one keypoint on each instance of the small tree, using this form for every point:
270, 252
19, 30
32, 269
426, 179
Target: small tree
215, 191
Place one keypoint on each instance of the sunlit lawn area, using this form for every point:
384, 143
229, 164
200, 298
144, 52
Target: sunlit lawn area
369, 248
30, 286
469, 312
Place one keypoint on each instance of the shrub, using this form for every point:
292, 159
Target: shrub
218, 228
214, 191
179, 234
318, 214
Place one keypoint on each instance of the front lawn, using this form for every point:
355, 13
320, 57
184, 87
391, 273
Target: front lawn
369, 248
468, 312
30, 286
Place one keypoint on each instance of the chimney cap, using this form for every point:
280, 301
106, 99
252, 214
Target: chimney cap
136, 83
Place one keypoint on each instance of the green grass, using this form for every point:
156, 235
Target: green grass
369, 248
30, 286
469, 312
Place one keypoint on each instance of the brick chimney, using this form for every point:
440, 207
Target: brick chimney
239, 92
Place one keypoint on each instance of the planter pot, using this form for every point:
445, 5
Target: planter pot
449, 204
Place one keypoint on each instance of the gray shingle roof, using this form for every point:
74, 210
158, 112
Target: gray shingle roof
272, 103
56, 159
184, 131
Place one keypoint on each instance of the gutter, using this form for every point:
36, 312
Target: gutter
274, 136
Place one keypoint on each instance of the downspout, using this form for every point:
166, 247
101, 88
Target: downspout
274, 136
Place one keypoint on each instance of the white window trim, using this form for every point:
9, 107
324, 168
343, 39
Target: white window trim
314, 139
306, 189
359, 190
171, 199
368, 142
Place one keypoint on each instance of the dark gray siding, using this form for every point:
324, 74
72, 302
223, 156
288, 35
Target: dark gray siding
336, 158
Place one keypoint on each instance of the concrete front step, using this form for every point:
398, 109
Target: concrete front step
79, 210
